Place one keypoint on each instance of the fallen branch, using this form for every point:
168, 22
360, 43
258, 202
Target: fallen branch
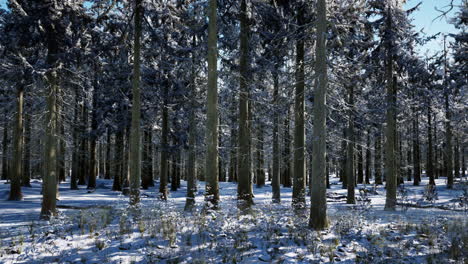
441, 207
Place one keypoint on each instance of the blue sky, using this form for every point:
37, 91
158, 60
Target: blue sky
423, 19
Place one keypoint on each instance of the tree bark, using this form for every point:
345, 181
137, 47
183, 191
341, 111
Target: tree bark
107, 165
286, 168
430, 159
368, 158
275, 182
26, 182
260, 156
192, 134
49, 200
164, 145
456, 158
318, 208
16, 175
118, 161
391, 129
92, 173
76, 145
378, 157
350, 171
416, 150
298, 195
135, 134
5, 172
244, 187
360, 161
448, 127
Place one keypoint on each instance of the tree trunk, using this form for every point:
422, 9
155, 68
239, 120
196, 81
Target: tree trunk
5, 172
118, 161
49, 199
456, 158
135, 137
16, 175
76, 145
360, 161
378, 157
343, 168
146, 176
174, 163
368, 158
164, 145
391, 129
391, 173
92, 173
416, 152
83, 145
286, 168
260, 156
298, 195
275, 182
448, 127
192, 137
27, 152
244, 187
107, 165
350, 171
430, 159
318, 208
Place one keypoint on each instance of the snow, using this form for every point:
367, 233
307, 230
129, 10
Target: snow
107, 232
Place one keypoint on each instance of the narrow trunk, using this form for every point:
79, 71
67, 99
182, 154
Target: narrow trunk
49, 199
244, 187
92, 173
350, 171
118, 161
145, 173
27, 153
164, 145
107, 165
76, 147
343, 169
391, 173
430, 159
378, 157
298, 195
390, 132
16, 175
211, 162
5, 149
368, 158
192, 134
448, 127
416, 152
260, 156
360, 162
135, 152
456, 158
83, 149
275, 182
318, 207
286, 168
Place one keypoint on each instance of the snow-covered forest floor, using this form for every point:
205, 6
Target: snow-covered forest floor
98, 228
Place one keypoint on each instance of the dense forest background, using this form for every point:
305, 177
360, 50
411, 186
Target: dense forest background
231, 131
294, 92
